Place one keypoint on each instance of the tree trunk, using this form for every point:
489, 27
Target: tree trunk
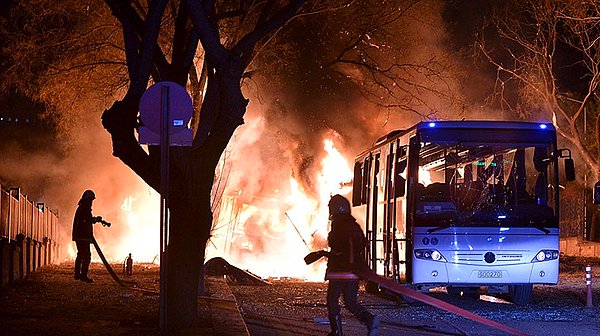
190, 203
190, 223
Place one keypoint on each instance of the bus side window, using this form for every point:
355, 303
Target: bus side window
357, 185
399, 181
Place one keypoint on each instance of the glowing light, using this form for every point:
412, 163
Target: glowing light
431, 124
141, 216
543, 126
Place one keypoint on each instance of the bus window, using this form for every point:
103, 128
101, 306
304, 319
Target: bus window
357, 185
478, 184
399, 179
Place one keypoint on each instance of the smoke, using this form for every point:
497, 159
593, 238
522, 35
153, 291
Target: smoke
57, 172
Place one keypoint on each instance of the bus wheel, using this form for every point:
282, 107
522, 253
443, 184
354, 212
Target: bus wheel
371, 287
521, 294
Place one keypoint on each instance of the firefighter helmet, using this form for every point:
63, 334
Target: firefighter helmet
338, 204
88, 194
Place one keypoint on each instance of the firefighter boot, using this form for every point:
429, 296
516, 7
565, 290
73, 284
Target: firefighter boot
371, 321
336, 326
77, 268
84, 271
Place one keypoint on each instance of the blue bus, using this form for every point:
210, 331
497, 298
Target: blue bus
463, 204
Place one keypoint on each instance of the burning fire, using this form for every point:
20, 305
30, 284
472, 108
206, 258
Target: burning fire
424, 176
271, 236
267, 235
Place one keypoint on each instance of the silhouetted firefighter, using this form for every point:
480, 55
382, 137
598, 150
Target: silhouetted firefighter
347, 243
82, 234
129, 265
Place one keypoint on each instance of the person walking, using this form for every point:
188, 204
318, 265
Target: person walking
347, 243
83, 233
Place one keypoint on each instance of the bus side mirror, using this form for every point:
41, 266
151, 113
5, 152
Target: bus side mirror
569, 169
569, 164
597, 193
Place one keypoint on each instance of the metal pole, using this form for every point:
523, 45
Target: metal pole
297, 231
585, 183
588, 284
164, 204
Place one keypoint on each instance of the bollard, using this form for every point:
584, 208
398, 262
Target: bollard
588, 283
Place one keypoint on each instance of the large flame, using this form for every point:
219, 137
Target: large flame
269, 235
289, 225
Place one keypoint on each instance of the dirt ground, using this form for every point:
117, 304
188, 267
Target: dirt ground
50, 302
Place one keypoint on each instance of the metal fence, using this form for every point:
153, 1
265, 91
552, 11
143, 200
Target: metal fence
29, 236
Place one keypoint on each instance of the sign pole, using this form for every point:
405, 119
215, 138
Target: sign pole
165, 111
164, 204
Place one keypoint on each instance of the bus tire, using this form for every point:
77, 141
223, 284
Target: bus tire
521, 294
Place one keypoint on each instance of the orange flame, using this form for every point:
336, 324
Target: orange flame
268, 235
289, 229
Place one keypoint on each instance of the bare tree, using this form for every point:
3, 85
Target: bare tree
386, 58
546, 47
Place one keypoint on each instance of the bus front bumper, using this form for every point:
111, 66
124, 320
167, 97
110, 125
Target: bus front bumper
445, 273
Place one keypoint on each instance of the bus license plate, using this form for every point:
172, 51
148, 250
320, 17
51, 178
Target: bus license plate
490, 274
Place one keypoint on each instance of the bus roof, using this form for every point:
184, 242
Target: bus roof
485, 124
465, 124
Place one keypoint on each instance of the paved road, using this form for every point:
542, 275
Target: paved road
296, 308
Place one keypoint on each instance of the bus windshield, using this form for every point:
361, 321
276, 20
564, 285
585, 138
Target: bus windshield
485, 184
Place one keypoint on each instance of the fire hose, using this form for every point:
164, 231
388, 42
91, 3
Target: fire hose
112, 272
106, 264
369, 275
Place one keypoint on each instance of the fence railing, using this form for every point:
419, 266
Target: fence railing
29, 236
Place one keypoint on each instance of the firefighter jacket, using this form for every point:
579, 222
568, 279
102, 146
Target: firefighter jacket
347, 243
83, 221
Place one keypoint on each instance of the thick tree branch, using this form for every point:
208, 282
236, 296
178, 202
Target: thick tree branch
207, 32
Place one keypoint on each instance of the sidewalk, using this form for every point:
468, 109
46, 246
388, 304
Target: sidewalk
50, 302
222, 310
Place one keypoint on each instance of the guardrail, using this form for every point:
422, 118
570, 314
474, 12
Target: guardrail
29, 236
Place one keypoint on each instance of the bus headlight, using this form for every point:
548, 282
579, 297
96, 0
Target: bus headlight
545, 255
427, 254
541, 256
